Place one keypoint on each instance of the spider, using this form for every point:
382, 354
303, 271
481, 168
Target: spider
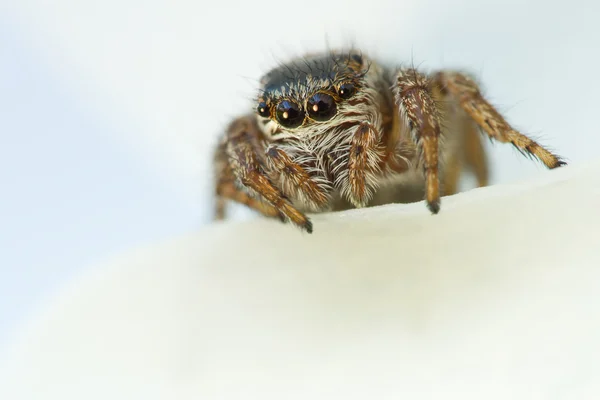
337, 130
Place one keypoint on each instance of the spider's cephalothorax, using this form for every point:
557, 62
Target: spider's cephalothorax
337, 130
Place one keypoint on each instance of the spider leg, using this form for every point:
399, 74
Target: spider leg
243, 146
227, 190
417, 107
452, 171
296, 181
468, 94
475, 157
470, 155
364, 160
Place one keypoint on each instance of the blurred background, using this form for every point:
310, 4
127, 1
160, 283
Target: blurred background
109, 110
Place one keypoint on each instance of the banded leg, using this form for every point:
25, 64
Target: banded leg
468, 94
227, 190
297, 182
243, 149
417, 107
363, 161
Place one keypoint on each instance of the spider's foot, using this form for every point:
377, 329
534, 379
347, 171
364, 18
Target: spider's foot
307, 226
434, 206
559, 163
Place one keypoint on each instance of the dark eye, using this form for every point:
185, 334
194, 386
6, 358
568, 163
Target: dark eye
263, 109
357, 57
321, 107
289, 114
347, 90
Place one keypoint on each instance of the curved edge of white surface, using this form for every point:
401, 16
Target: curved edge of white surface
495, 297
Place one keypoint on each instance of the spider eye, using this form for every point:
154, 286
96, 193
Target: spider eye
357, 57
347, 90
263, 110
321, 107
289, 114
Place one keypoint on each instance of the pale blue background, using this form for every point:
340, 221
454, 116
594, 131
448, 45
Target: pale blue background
70, 195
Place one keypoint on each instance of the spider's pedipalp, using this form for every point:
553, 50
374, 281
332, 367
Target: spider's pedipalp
258, 182
363, 164
296, 181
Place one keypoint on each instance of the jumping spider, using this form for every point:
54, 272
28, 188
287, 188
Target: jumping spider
337, 130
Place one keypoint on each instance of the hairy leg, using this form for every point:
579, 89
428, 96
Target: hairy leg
244, 150
417, 106
226, 189
468, 94
295, 180
363, 161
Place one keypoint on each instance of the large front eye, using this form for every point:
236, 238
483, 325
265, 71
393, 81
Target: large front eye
289, 114
321, 107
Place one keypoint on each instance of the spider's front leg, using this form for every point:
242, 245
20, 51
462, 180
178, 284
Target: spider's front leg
417, 107
242, 155
226, 189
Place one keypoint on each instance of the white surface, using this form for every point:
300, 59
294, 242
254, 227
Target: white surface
494, 298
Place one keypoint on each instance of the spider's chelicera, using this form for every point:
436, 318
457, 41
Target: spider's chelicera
337, 130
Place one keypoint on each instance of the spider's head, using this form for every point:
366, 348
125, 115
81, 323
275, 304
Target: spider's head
311, 91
